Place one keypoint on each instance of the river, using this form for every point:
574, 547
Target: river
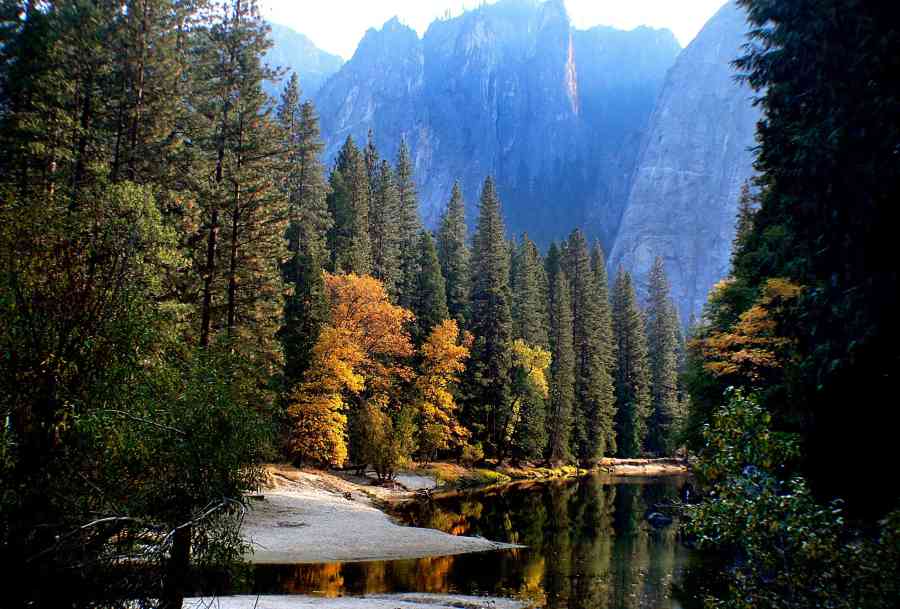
588, 545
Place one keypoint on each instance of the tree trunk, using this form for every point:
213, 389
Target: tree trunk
177, 570
206, 309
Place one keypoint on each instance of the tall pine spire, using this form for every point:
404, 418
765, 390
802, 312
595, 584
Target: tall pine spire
348, 240
430, 305
383, 228
632, 371
409, 227
306, 308
562, 366
663, 345
592, 381
603, 422
530, 294
491, 322
453, 254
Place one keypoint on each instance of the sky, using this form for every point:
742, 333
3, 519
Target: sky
337, 26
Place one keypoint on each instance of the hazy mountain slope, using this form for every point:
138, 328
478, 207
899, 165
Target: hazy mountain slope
693, 160
297, 53
510, 89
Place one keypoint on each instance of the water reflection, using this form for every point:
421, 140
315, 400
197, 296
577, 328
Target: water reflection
590, 546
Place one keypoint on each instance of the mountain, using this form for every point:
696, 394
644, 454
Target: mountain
694, 158
511, 89
297, 53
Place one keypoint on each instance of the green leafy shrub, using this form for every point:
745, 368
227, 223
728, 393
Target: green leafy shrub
787, 550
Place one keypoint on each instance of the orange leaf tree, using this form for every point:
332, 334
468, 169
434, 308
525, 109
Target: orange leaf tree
359, 358
443, 358
753, 349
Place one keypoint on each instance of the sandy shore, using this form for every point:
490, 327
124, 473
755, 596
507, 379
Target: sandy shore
378, 601
311, 517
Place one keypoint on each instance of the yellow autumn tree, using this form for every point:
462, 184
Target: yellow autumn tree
358, 359
752, 347
444, 354
526, 430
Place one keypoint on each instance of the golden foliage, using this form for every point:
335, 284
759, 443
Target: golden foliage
752, 348
361, 350
365, 317
318, 426
443, 358
535, 362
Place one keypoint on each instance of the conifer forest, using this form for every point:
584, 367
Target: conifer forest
192, 289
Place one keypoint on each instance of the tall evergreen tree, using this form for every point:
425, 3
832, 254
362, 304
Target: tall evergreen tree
662, 343
491, 323
562, 370
827, 220
373, 163
593, 382
430, 306
530, 295
254, 211
383, 229
409, 227
454, 256
306, 308
552, 267
348, 202
632, 373
604, 340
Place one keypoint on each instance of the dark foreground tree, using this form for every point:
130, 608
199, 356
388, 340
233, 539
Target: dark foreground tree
828, 167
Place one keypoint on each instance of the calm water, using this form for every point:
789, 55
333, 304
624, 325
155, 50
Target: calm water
589, 546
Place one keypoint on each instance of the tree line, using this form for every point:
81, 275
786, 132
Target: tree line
554, 366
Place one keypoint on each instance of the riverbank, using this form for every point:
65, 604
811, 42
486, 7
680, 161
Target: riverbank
376, 601
312, 516
309, 516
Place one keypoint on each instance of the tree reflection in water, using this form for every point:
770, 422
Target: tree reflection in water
589, 546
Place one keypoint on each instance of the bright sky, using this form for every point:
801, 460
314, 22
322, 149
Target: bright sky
338, 25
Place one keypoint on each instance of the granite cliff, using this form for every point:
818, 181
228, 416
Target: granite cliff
510, 89
695, 156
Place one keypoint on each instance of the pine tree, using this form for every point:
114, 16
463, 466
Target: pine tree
373, 164
409, 227
562, 370
454, 256
662, 344
348, 202
605, 342
491, 323
430, 306
592, 379
306, 308
530, 294
744, 225
632, 372
255, 215
383, 229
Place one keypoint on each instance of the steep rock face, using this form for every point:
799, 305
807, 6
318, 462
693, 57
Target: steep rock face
693, 161
510, 89
297, 53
